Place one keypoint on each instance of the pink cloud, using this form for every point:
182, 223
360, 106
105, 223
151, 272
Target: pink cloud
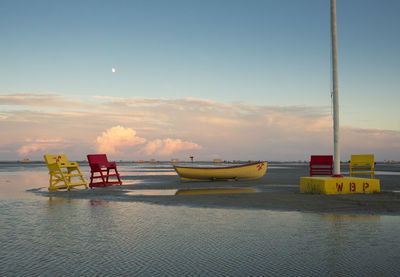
40, 100
117, 138
168, 146
42, 146
41, 140
31, 148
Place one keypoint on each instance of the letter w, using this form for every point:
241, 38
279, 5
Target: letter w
339, 187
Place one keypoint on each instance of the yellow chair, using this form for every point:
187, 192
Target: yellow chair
362, 164
62, 171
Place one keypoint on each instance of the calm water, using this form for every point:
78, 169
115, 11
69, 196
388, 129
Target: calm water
48, 236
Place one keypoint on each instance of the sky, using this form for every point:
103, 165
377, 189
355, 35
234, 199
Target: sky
235, 80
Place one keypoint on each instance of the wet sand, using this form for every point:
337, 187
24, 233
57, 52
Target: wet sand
277, 190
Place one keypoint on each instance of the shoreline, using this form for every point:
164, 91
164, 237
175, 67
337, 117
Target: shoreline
268, 197
277, 190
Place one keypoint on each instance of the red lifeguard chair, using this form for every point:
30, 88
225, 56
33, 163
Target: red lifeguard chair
100, 171
321, 165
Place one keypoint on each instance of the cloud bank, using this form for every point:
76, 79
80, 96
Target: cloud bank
119, 139
144, 128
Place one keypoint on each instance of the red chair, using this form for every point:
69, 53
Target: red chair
100, 165
321, 165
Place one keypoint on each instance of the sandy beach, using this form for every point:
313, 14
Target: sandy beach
277, 190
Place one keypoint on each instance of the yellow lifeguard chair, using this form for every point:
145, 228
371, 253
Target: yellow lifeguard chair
62, 171
362, 164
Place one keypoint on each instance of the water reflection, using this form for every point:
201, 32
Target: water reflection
215, 191
148, 173
170, 192
61, 203
335, 218
131, 182
152, 192
346, 236
14, 185
98, 202
130, 238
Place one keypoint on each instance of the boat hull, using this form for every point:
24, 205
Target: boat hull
246, 171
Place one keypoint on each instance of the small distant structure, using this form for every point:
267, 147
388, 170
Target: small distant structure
174, 160
26, 160
191, 157
152, 160
141, 161
217, 161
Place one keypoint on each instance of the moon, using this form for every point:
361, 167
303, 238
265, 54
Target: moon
113, 69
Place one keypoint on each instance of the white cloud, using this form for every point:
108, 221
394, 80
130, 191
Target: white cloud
117, 138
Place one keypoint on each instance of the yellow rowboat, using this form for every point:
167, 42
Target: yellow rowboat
245, 171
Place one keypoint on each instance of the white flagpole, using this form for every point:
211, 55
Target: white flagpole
335, 92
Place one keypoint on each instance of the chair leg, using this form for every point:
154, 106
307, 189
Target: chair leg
91, 179
83, 179
117, 175
52, 185
102, 178
108, 175
119, 180
65, 180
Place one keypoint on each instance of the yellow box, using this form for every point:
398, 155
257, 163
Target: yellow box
338, 185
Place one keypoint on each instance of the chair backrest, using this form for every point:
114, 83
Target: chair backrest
321, 165
359, 160
321, 160
51, 159
97, 159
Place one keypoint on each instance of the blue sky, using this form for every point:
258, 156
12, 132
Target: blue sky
260, 53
